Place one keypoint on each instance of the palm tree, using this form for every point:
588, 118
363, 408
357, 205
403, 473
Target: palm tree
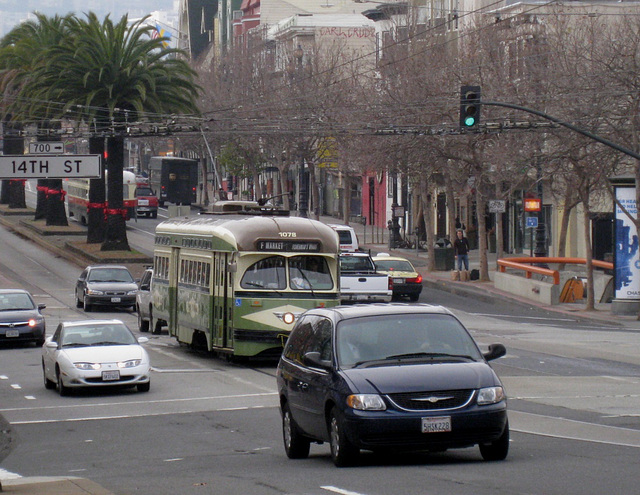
21, 50
109, 76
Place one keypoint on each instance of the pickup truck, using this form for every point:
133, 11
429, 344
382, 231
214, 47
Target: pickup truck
359, 281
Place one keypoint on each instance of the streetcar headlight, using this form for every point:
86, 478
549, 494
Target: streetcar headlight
289, 318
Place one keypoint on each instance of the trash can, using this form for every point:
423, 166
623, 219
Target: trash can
444, 257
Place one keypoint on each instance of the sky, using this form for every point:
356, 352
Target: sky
12, 12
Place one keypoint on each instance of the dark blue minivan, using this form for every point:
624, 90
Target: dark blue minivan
389, 376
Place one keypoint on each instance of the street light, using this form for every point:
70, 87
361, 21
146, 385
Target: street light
303, 189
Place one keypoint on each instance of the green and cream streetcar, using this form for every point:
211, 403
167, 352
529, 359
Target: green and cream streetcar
236, 284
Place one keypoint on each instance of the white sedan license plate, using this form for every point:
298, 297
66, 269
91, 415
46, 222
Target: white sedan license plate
436, 424
109, 376
13, 333
115, 299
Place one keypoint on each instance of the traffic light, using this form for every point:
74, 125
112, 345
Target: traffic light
469, 107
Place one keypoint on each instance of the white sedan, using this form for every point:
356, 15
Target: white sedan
95, 353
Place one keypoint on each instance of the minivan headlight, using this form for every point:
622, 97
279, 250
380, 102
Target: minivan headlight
490, 395
366, 402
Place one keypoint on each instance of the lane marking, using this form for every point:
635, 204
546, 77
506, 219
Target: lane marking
342, 491
8, 475
548, 426
523, 317
160, 401
141, 415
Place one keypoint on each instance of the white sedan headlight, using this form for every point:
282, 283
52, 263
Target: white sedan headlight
490, 395
87, 366
132, 363
366, 402
132, 292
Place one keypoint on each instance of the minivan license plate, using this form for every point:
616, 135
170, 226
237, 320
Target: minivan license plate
436, 424
109, 376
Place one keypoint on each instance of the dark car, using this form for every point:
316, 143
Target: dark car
389, 377
147, 201
20, 317
106, 285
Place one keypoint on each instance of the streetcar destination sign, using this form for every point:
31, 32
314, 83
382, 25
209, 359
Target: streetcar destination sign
46, 147
49, 166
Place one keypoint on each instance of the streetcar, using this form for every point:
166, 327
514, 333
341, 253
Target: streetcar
236, 284
77, 190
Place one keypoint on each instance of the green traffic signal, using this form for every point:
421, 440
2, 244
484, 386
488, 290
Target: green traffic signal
469, 107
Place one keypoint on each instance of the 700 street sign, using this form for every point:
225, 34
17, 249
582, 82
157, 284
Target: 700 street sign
49, 166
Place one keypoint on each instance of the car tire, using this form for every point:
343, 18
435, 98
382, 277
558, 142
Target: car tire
144, 387
48, 384
63, 390
143, 325
157, 328
154, 214
343, 452
296, 445
498, 450
79, 303
414, 297
87, 305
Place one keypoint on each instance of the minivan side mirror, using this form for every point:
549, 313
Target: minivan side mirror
313, 359
495, 351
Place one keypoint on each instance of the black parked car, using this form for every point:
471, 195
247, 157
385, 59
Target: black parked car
20, 317
106, 285
389, 376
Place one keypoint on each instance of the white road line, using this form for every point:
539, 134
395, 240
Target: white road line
549, 426
342, 491
130, 416
522, 317
162, 401
16, 386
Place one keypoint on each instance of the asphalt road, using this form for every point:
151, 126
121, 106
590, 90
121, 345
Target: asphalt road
208, 426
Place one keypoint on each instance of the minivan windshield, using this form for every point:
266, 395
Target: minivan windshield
400, 337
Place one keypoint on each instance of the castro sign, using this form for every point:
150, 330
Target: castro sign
49, 166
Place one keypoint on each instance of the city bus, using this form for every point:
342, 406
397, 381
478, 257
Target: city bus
235, 284
78, 196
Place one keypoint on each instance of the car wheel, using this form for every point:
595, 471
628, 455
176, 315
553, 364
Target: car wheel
414, 297
154, 214
87, 306
143, 325
157, 328
144, 387
343, 452
296, 446
498, 450
40, 341
63, 390
48, 384
79, 302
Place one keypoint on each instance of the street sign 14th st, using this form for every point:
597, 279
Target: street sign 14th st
49, 166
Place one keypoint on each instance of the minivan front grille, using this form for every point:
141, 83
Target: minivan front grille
432, 401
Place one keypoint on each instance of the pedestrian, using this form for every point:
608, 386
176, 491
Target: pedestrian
461, 250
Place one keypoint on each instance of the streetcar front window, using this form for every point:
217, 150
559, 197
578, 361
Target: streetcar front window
268, 273
309, 273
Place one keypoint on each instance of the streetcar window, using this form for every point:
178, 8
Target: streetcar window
309, 273
268, 273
